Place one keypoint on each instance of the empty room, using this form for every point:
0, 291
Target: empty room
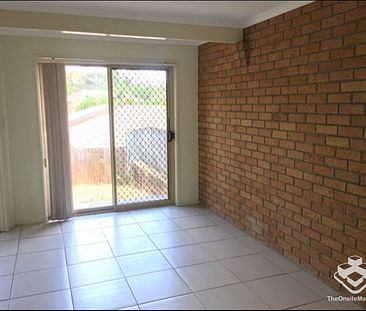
183, 155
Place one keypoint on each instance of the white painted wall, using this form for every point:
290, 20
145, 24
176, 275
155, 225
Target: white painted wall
19, 56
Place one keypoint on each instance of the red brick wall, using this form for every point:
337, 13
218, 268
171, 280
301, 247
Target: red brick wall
282, 133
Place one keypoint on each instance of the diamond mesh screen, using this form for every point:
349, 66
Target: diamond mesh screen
140, 130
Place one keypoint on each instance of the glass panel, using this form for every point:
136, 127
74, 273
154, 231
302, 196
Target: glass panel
140, 129
87, 95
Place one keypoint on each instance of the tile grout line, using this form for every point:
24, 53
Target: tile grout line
120, 268
15, 264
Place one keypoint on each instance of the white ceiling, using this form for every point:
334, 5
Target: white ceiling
213, 13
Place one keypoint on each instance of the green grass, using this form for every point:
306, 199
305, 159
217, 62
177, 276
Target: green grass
91, 193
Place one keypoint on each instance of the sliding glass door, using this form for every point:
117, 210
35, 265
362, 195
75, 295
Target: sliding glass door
89, 129
140, 135
119, 133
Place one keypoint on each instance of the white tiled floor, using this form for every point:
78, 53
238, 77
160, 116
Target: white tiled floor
162, 258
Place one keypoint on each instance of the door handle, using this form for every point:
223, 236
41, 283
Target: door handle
171, 136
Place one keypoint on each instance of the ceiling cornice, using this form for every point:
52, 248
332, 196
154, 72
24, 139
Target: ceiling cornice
78, 23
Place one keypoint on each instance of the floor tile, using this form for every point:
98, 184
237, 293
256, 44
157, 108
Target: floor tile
176, 211
94, 272
5, 286
314, 284
217, 219
46, 281
171, 239
283, 292
321, 305
79, 224
131, 308
143, 263
227, 249
7, 265
13, 234
192, 222
115, 219
207, 275
251, 267
132, 246
157, 286
83, 237
234, 231
8, 248
346, 306
123, 232
90, 252
280, 261
4, 305
160, 226
186, 302
187, 255
40, 261
60, 300
208, 234
232, 297
37, 230
103, 296
40, 244
254, 244
148, 215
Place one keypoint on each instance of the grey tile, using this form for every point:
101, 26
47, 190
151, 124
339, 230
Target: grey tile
123, 232
186, 302
282, 292
13, 234
5, 286
280, 261
192, 222
314, 284
251, 267
4, 305
132, 246
103, 296
161, 226
207, 275
187, 255
179, 211
40, 244
321, 305
227, 249
208, 234
90, 252
232, 297
8, 248
254, 244
84, 237
143, 263
80, 224
40, 261
7, 265
94, 272
171, 239
148, 215
42, 229
39, 282
115, 219
157, 286
60, 300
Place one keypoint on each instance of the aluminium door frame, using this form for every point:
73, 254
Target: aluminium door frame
170, 145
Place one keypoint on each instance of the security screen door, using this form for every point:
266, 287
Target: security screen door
140, 126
